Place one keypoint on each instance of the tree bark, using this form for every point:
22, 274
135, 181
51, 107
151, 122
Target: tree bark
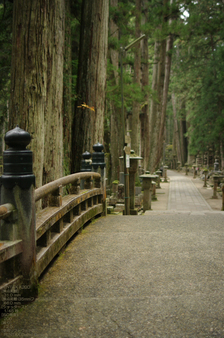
169, 45
176, 129
37, 81
137, 78
116, 142
156, 102
88, 122
29, 75
161, 77
144, 116
53, 151
183, 140
67, 91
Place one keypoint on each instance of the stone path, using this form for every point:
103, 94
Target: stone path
155, 275
183, 195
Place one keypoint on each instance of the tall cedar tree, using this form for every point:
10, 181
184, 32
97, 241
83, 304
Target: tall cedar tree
88, 123
37, 81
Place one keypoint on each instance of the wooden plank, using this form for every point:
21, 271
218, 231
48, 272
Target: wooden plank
49, 216
9, 249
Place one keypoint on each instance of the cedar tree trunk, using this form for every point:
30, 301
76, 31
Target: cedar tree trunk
88, 123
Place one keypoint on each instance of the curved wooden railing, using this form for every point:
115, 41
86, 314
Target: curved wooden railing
64, 215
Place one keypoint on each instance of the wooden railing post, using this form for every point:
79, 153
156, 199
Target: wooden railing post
88, 184
98, 182
75, 188
17, 188
55, 198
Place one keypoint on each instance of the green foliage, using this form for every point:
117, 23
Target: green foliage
198, 73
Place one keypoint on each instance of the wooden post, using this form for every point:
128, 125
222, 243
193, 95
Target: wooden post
17, 188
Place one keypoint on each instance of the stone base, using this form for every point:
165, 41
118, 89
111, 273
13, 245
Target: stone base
133, 212
112, 201
119, 207
110, 209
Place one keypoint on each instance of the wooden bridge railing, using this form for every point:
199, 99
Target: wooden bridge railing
64, 216
54, 226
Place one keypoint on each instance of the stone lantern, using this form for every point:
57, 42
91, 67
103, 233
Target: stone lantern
216, 165
158, 172
146, 185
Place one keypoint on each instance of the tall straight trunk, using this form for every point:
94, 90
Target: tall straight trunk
144, 116
88, 122
160, 85
37, 81
53, 151
176, 129
137, 78
67, 91
169, 45
29, 75
183, 140
116, 144
156, 103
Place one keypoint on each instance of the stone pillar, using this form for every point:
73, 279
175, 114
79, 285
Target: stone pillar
17, 188
174, 162
146, 186
215, 180
132, 173
165, 167
194, 170
158, 172
153, 184
178, 163
205, 172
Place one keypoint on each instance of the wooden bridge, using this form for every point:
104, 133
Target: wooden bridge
32, 235
54, 226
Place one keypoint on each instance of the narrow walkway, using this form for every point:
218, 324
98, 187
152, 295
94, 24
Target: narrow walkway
156, 275
183, 195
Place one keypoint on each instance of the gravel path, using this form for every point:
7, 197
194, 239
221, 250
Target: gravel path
155, 275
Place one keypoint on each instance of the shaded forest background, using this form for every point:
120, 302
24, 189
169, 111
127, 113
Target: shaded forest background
60, 80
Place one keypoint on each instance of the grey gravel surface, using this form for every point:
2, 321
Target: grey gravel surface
155, 275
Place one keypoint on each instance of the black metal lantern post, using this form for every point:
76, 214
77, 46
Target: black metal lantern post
98, 162
86, 165
17, 188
